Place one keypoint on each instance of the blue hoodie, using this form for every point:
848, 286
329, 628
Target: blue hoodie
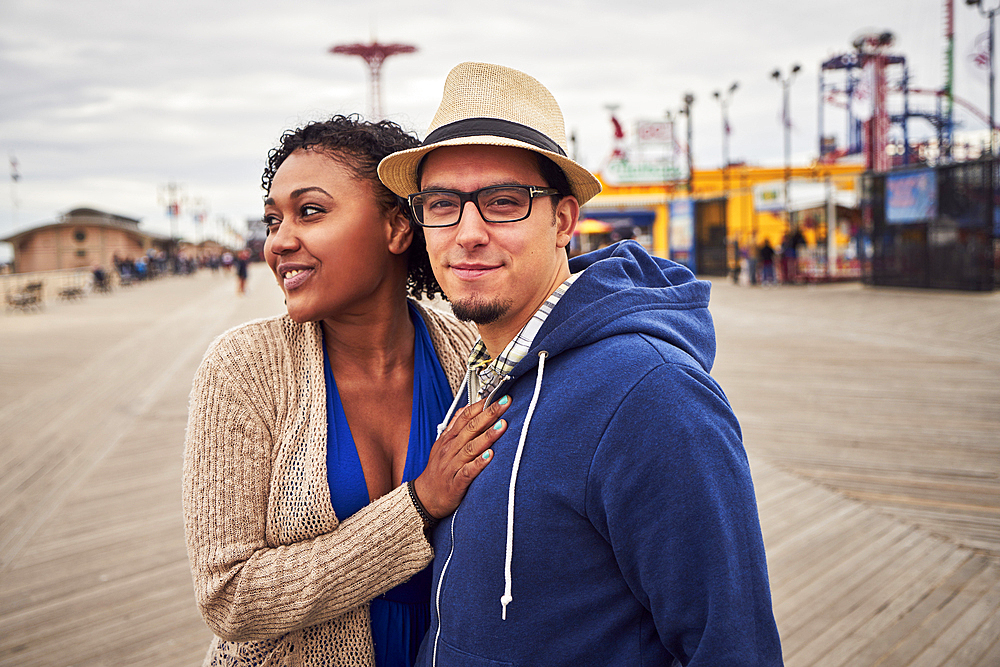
616, 523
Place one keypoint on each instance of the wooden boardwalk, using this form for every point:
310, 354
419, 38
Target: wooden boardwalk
872, 419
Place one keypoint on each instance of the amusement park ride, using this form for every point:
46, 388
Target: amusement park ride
866, 72
374, 55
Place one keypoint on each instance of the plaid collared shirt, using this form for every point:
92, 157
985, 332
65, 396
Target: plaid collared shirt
490, 372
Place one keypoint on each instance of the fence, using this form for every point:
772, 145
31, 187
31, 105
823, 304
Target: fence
932, 227
53, 283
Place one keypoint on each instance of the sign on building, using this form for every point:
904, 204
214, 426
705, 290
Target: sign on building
653, 131
682, 232
620, 172
769, 196
911, 197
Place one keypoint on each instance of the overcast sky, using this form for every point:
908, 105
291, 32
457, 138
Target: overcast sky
104, 103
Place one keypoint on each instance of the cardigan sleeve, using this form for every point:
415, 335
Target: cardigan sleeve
246, 588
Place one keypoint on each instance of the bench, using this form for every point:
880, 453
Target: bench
71, 293
26, 300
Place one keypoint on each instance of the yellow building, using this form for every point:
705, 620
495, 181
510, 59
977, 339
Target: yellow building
740, 205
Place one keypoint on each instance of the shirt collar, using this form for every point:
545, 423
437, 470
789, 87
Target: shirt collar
489, 373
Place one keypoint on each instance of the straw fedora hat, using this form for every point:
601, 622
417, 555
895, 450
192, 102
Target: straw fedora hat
492, 105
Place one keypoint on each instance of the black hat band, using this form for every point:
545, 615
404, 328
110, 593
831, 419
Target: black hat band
495, 127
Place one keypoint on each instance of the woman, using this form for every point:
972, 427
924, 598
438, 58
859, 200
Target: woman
304, 530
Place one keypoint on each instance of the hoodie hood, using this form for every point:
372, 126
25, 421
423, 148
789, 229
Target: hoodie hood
623, 290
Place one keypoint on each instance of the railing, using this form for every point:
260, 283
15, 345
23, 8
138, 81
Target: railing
933, 226
53, 283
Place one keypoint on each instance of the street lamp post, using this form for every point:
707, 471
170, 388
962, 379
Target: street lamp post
672, 150
786, 83
990, 14
172, 196
724, 100
688, 101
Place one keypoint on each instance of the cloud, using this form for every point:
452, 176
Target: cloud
106, 101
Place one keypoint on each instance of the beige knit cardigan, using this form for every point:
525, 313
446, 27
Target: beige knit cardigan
278, 579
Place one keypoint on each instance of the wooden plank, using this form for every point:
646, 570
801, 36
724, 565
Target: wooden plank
896, 645
958, 644
869, 417
888, 398
103, 578
828, 576
991, 657
853, 619
934, 638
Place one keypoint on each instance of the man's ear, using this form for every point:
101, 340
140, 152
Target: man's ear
567, 215
400, 231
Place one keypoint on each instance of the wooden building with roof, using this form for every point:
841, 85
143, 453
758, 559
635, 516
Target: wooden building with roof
82, 238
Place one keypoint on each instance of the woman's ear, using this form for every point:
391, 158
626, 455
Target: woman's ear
400, 231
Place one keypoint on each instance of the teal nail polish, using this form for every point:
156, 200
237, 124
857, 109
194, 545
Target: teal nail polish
498, 425
486, 455
504, 401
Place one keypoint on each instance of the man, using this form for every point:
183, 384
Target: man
616, 522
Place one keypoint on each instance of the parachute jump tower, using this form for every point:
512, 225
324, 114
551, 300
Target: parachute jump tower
374, 55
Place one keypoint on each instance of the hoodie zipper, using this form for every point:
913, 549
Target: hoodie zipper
440, 429
451, 525
508, 578
437, 593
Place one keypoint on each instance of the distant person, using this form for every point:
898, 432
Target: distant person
242, 268
101, 281
617, 523
790, 244
765, 258
309, 464
798, 241
126, 268
737, 261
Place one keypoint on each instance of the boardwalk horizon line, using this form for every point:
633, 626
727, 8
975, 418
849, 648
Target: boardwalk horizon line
871, 418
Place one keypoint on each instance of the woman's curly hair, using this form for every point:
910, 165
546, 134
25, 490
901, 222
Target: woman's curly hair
360, 145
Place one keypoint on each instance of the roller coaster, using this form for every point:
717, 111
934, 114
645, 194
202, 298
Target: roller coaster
859, 82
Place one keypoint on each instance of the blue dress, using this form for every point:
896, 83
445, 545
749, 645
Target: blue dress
401, 616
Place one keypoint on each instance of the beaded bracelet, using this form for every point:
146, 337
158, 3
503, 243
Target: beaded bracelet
421, 510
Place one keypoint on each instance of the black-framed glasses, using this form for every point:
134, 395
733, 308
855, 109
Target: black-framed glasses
497, 203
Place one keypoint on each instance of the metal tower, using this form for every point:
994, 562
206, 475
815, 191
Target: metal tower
869, 136
374, 54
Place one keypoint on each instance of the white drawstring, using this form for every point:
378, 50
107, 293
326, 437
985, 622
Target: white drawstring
508, 579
